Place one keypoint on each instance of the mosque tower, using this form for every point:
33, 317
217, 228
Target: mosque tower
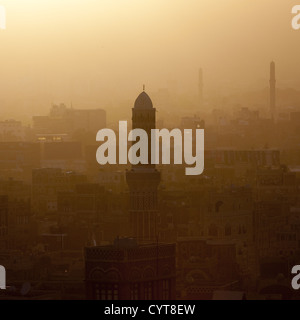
143, 179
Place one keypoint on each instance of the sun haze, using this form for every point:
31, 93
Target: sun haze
102, 51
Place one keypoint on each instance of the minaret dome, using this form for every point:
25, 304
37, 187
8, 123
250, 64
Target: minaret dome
143, 101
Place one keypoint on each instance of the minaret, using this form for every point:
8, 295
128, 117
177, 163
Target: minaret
200, 88
143, 179
272, 90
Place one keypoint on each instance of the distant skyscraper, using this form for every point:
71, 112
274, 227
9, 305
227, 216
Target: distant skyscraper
143, 180
273, 90
200, 88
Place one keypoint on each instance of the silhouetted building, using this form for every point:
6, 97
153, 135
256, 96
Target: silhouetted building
68, 120
128, 271
17, 159
3, 222
92, 215
46, 183
205, 266
16, 226
12, 130
192, 123
143, 179
15, 189
63, 155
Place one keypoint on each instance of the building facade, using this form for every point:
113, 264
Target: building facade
128, 271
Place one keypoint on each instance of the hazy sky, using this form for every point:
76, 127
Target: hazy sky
73, 49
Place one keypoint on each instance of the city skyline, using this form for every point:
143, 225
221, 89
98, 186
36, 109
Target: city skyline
108, 189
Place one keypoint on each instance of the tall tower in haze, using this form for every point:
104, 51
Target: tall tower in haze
200, 88
273, 90
143, 179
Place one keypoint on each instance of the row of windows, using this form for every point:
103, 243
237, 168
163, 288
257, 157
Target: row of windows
144, 200
3, 220
219, 207
213, 230
138, 291
3, 232
22, 220
106, 292
286, 237
286, 253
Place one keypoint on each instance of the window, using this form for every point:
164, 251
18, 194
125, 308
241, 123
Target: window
134, 291
105, 291
228, 230
240, 230
213, 230
244, 230
218, 206
148, 291
166, 290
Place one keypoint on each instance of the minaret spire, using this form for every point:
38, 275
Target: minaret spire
143, 179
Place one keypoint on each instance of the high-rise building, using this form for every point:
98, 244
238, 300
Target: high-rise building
273, 90
143, 179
